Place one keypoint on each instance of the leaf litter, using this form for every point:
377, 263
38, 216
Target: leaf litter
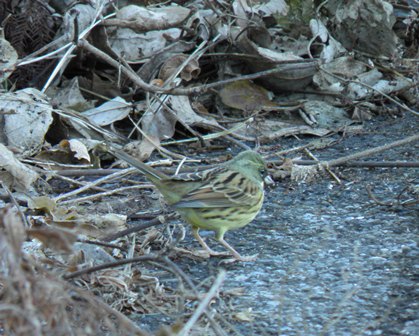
184, 82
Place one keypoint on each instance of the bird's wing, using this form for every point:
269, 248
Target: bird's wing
222, 188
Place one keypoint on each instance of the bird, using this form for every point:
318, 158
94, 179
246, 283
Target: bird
220, 199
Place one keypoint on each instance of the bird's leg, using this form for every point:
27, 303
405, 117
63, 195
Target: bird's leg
236, 254
195, 232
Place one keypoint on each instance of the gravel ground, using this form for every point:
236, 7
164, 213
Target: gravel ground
331, 260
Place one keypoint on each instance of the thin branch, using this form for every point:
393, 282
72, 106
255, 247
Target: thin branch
204, 303
139, 227
94, 184
370, 152
111, 264
366, 164
106, 193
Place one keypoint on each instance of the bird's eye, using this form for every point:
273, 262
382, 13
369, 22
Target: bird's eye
263, 172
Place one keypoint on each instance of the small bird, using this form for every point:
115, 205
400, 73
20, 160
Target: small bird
220, 199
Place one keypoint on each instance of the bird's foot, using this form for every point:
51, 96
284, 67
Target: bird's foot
194, 254
213, 253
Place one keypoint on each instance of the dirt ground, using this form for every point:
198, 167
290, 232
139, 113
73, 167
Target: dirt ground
331, 260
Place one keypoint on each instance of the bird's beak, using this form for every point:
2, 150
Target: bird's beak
268, 180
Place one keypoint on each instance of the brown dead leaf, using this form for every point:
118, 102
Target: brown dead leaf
169, 68
246, 96
54, 238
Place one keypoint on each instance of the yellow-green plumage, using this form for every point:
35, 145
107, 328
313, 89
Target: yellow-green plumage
221, 199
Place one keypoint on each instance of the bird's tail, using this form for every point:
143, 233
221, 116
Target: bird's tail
148, 171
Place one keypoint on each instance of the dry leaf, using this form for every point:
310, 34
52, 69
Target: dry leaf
21, 176
68, 95
109, 112
246, 96
77, 148
54, 238
327, 116
142, 32
161, 124
8, 57
42, 203
170, 67
25, 129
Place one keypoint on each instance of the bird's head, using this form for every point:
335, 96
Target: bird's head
251, 164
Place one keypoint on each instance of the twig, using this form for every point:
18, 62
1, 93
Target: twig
309, 153
375, 199
95, 183
99, 243
106, 193
370, 152
84, 172
65, 59
366, 164
204, 303
109, 265
214, 324
139, 227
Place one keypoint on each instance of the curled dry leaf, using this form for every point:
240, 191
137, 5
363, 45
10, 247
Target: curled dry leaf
78, 149
374, 80
25, 129
19, 175
331, 47
289, 76
91, 254
141, 19
99, 226
54, 238
68, 152
345, 66
171, 66
69, 96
